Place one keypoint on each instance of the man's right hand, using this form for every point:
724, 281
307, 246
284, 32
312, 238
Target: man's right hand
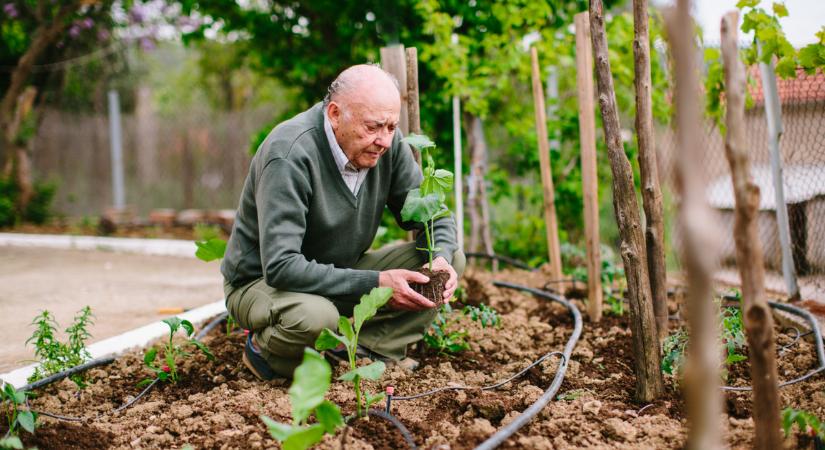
403, 297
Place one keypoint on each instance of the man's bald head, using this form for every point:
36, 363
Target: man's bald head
362, 83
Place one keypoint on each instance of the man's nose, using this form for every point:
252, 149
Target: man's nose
384, 138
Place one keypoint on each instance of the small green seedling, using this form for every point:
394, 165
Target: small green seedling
426, 204
733, 335
12, 402
807, 423
168, 370
485, 315
673, 350
328, 340
231, 324
55, 356
443, 336
310, 383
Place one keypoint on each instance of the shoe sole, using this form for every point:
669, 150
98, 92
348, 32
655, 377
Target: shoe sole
252, 368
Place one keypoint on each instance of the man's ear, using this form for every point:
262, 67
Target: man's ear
334, 113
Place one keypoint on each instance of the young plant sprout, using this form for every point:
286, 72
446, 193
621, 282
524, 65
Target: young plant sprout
426, 204
55, 356
11, 401
310, 383
328, 340
168, 369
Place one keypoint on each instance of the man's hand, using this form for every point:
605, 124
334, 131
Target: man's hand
441, 265
403, 297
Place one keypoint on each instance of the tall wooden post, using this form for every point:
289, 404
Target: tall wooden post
648, 170
749, 257
550, 222
646, 347
413, 108
590, 183
698, 255
394, 61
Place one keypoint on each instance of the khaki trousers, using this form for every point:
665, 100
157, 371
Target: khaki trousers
286, 322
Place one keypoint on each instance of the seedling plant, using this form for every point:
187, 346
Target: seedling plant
348, 337
805, 421
55, 356
443, 336
167, 370
426, 204
310, 383
12, 400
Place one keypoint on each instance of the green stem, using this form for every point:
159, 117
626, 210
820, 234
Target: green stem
352, 353
429, 244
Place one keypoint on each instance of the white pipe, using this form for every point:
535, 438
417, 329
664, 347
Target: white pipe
116, 141
459, 194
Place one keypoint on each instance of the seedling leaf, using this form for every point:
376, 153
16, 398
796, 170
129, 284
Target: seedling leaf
375, 398
26, 420
369, 305
149, 357
329, 416
304, 438
328, 340
369, 372
310, 383
173, 322
187, 325
210, 250
146, 382
11, 442
418, 141
279, 431
345, 328
420, 208
203, 348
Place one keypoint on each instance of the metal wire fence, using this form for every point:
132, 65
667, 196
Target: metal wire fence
802, 149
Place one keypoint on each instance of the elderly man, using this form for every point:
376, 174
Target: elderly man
309, 211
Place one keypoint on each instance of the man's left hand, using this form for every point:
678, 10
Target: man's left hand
441, 265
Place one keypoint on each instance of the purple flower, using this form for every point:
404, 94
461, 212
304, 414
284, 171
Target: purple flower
102, 35
147, 44
74, 31
87, 23
10, 10
136, 14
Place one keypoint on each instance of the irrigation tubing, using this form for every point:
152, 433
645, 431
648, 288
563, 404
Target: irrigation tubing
397, 423
505, 259
820, 352
102, 361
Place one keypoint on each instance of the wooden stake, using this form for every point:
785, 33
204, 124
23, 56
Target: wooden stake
646, 347
648, 169
413, 109
590, 187
394, 61
550, 222
749, 257
695, 223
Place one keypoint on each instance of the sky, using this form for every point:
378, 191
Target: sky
805, 18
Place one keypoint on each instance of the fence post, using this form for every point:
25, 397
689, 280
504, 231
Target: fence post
590, 183
459, 186
394, 61
116, 146
773, 116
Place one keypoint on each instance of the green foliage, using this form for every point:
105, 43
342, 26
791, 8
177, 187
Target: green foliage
426, 204
733, 334
167, 370
38, 211
485, 315
806, 422
612, 275
673, 350
211, 249
12, 402
310, 383
205, 231
443, 336
365, 310
55, 356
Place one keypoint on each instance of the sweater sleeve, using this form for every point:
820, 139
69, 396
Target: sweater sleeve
282, 195
406, 177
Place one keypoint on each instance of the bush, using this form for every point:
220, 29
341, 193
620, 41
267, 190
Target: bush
39, 209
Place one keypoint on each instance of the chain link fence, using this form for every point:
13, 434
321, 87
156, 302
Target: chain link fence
802, 148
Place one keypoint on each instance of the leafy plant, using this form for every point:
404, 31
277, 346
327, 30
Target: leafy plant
56, 356
673, 350
807, 422
426, 204
172, 352
210, 249
12, 400
443, 337
328, 340
733, 334
485, 315
306, 396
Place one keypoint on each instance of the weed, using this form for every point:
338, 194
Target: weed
573, 394
168, 370
12, 400
55, 356
673, 350
310, 383
328, 340
426, 204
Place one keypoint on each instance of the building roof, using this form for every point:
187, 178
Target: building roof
801, 183
802, 89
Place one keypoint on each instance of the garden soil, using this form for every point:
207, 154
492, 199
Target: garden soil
217, 404
125, 291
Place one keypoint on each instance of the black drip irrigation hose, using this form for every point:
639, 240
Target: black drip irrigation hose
820, 352
94, 363
398, 425
505, 259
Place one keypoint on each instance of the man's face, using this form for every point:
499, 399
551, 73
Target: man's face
363, 131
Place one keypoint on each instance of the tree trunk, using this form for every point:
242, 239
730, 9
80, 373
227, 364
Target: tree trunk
648, 169
646, 347
18, 164
749, 258
695, 222
477, 192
